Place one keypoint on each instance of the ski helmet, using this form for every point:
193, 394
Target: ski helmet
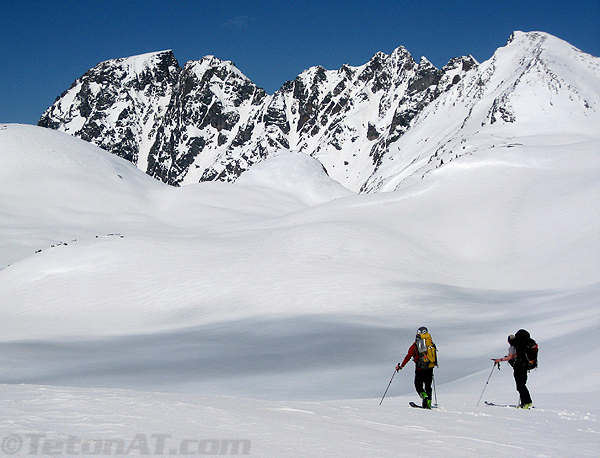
422, 330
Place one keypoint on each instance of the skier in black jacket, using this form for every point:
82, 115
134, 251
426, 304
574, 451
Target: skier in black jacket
517, 358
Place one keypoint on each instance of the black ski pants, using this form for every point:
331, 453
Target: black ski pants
521, 381
423, 380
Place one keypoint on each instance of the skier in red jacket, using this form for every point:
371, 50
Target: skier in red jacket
423, 367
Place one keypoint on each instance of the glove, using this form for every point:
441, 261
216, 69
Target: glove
398, 367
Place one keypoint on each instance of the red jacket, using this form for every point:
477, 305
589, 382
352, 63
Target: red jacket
412, 353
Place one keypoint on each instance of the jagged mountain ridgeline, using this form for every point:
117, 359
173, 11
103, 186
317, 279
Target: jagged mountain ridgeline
376, 127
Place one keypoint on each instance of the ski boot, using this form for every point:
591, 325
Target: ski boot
426, 401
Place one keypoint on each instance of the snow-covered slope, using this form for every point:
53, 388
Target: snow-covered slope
74, 421
157, 304
300, 285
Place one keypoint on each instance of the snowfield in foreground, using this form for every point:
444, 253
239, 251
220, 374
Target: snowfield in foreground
76, 421
267, 316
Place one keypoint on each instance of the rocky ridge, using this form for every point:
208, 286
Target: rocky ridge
374, 127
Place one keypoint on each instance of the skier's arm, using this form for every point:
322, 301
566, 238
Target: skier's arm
411, 353
511, 355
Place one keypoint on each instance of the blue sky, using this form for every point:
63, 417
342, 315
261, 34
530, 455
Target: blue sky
46, 45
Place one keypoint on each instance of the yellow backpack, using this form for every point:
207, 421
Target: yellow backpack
427, 352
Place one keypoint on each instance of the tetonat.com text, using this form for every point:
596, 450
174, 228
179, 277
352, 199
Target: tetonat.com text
138, 445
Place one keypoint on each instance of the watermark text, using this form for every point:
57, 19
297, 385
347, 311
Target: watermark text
138, 445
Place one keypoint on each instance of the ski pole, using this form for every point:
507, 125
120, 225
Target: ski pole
434, 390
388, 387
488, 381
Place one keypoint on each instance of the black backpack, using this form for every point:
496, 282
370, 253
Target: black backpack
527, 350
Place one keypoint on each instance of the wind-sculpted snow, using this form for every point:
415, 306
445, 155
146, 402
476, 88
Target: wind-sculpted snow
92, 248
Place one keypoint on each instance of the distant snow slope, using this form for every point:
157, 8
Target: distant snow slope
266, 289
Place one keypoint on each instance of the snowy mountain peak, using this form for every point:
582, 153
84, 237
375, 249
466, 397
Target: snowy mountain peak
208, 121
118, 104
145, 62
536, 79
214, 68
536, 85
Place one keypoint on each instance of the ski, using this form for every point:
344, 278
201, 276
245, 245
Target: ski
513, 406
417, 406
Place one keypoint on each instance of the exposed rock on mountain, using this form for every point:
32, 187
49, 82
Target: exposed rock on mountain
537, 86
209, 104
375, 127
118, 105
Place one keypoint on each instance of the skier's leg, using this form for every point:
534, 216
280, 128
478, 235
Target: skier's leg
428, 379
521, 382
419, 383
